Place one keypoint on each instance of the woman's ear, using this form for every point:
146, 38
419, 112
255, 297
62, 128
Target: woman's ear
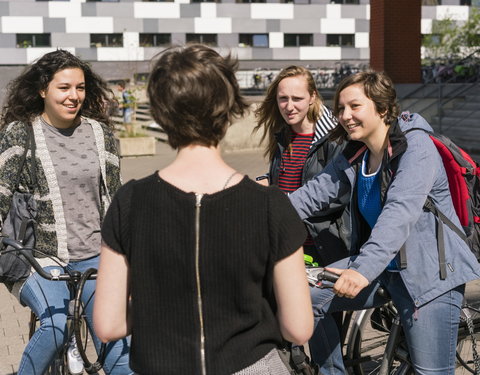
42, 94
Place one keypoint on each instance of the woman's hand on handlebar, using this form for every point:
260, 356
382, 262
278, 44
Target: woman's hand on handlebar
350, 282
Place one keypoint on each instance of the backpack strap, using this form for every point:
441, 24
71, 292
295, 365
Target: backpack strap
441, 218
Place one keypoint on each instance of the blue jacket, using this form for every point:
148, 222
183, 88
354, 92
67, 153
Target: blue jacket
411, 170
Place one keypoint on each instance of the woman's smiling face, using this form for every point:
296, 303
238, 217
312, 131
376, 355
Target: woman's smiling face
63, 97
357, 114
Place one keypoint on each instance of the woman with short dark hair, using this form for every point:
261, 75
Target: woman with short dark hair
386, 172
196, 256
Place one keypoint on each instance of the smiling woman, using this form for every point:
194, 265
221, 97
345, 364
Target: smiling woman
77, 172
63, 98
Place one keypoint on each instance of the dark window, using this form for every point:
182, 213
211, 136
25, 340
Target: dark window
210, 39
345, 1
343, 40
106, 40
466, 2
155, 40
431, 2
33, 40
253, 40
297, 40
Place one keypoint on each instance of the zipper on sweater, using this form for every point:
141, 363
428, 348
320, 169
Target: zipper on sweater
198, 205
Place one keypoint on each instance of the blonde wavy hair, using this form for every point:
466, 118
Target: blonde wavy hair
269, 117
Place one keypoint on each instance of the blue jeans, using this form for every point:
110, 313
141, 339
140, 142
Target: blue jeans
431, 330
49, 301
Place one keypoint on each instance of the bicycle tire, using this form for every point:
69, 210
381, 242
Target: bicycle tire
78, 318
366, 345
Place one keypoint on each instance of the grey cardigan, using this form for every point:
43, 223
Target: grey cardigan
420, 173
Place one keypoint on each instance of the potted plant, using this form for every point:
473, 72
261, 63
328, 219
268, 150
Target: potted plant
132, 141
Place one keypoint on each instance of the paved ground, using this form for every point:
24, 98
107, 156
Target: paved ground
14, 318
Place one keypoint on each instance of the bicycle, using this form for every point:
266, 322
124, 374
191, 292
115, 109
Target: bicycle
76, 324
385, 351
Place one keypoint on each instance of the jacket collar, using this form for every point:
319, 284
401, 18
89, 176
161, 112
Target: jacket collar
397, 144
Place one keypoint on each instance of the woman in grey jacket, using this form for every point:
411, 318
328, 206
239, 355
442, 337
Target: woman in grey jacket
386, 175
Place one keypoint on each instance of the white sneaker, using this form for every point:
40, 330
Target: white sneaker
74, 360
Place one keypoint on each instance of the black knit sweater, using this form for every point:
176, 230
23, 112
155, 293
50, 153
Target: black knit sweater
243, 231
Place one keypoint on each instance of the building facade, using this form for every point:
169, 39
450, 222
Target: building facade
123, 35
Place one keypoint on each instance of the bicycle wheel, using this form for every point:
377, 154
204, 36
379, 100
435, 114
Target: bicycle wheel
367, 342
81, 332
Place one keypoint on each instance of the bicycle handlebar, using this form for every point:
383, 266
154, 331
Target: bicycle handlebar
28, 254
316, 276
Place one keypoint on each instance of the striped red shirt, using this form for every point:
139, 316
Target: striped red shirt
291, 168
293, 160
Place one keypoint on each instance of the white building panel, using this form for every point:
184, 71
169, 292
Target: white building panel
22, 25
182, 1
334, 11
367, 10
131, 40
362, 40
338, 26
35, 53
454, 12
271, 11
208, 10
156, 10
120, 54
89, 25
64, 9
426, 26
213, 25
320, 53
275, 39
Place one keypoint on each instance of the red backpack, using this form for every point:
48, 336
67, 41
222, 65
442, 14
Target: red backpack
464, 183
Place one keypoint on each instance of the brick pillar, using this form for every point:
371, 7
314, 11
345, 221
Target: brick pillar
395, 39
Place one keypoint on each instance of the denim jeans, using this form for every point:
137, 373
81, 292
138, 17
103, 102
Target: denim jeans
49, 301
431, 330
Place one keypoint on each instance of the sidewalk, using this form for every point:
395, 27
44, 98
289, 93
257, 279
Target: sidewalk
14, 318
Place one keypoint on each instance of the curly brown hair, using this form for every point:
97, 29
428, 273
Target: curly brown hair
194, 95
23, 102
379, 88
269, 117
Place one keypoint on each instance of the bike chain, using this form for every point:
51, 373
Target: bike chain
471, 331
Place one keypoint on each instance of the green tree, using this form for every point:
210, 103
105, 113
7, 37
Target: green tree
452, 39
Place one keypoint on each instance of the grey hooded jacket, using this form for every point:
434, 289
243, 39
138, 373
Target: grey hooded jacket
418, 173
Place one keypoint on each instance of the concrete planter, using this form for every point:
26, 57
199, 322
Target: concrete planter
136, 146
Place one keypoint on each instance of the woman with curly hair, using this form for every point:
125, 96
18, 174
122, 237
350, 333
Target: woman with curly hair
64, 103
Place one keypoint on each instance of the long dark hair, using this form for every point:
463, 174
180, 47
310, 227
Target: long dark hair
23, 102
